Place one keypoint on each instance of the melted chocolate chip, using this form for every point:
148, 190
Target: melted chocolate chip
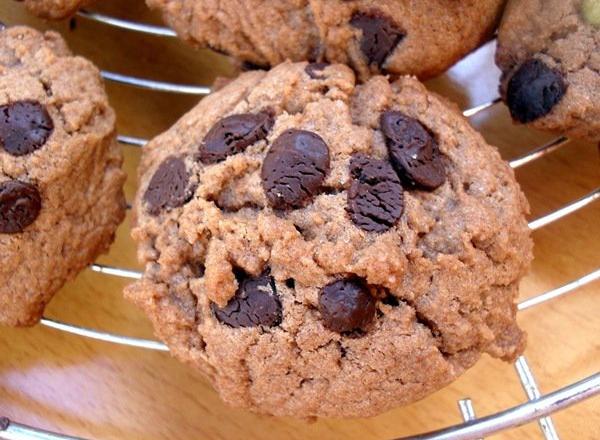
294, 168
375, 200
233, 134
169, 186
315, 70
533, 90
20, 205
255, 303
380, 36
346, 305
413, 151
25, 126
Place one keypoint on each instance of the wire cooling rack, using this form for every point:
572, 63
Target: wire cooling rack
538, 407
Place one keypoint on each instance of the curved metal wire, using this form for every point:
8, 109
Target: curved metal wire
518, 415
158, 86
10, 430
104, 336
135, 26
565, 210
540, 151
155, 345
559, 291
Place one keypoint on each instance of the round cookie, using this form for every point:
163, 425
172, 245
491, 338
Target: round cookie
54, 9
61, 196
422, 38
319, 248
549, 53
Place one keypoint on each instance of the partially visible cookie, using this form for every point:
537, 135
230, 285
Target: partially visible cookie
54, 9
319, 248
61, 196
549, 53
422, 38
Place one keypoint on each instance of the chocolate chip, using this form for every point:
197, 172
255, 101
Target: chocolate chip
255, 303
25, 126
294, 168
169, 186
533, 90
413, 151
375, 200
346, 305
20, 205
315, 70
249, 66
2, 26
379, 36
233, 134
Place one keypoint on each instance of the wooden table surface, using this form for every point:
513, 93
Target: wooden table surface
80, 387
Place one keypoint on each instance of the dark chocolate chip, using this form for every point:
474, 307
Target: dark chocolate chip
294, 168
380, 36
249, 66
346, 305
2, 26
169, 187
233, 134
413, 151
20, 205
375, 199
25, 126
534, 90
255, 303
315, 70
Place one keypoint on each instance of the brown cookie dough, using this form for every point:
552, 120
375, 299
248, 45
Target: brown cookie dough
54, 9
549, 53
61, 182
422, 38
319, 248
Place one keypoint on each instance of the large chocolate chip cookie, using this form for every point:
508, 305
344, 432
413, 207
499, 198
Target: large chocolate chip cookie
319, 248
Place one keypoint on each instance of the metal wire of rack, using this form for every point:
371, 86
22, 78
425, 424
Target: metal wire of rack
538, 407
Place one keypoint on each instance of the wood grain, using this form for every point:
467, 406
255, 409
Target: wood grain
96, 390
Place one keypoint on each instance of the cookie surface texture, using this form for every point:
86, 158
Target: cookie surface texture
308, 269
61, 196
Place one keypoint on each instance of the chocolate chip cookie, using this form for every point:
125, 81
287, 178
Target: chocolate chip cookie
549, 53
321, 248
54, 9
60, 179
421, 38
